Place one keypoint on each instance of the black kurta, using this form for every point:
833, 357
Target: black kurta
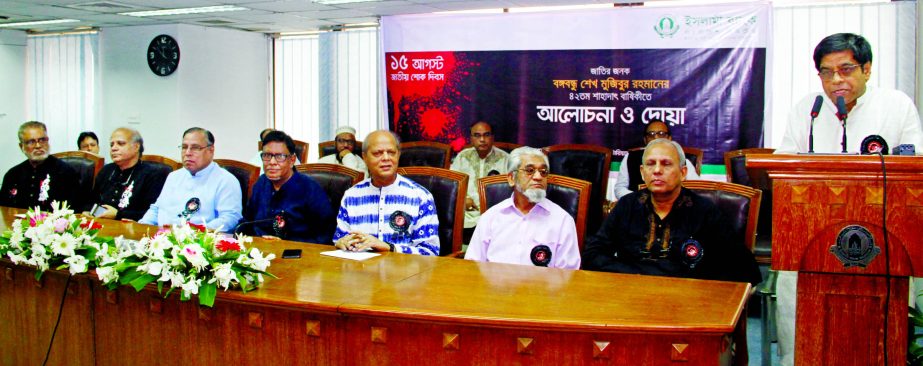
145, 182
633, 239
22, 185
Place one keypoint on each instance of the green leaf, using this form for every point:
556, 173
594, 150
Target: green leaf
143, 280
129, 275
159, 287
207, 294
38, 275
169, 292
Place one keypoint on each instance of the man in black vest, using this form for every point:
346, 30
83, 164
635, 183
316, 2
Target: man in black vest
40, 179
630, 169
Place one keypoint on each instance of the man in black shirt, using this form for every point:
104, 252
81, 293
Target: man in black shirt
126, 187
668, 230
40, 179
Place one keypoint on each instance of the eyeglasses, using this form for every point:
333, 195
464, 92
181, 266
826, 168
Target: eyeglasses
195, 148
530, 171
480, 135
38, 141
844, 71
279, 157
657, 134
342, 141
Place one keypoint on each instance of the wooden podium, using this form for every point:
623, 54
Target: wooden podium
829, 226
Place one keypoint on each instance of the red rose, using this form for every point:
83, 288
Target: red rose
95, 225
226, 244
200, 228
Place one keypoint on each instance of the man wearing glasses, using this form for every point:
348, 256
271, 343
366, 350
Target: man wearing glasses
287, 204
345, 143
478, 161
40, 179
630, 169
844, 65
668, 230
526, 228
201, 193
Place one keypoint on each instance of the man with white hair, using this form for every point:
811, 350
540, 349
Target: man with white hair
668, 230
42, 178
526, 228
345, 143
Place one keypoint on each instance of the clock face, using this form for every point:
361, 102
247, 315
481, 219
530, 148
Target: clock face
163, 55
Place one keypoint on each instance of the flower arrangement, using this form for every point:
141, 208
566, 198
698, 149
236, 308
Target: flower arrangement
186, 257
56, 239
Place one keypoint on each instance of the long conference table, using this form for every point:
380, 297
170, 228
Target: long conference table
394, 309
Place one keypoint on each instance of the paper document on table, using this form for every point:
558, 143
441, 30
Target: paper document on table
356, 256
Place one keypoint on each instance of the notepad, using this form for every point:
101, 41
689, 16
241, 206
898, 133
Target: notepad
356, 256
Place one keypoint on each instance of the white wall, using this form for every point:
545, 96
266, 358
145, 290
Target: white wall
221, 84
12, 96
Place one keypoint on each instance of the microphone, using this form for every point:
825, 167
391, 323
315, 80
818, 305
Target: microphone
815, 110
277, 220
873, 144
493, 172
841, 114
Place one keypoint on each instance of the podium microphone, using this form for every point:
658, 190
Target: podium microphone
841, 114
815, 110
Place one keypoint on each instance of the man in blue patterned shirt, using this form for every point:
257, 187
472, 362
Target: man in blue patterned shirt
387, 212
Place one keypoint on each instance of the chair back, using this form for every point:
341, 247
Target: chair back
587, 162
86, 165
740, 204
449, 189
334, 179
246, 175
695, 156
735, 166
163, 164
571, 194
330, 147
425, 153
301, 149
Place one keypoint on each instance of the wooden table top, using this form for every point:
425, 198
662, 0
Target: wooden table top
454, 290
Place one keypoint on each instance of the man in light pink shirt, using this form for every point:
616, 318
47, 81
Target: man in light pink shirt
526, 228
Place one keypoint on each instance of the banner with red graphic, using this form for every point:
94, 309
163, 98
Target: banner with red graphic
592, 77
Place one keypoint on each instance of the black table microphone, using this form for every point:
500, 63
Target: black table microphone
841, 114
815, 110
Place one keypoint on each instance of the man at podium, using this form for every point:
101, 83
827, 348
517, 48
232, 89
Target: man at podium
844, 65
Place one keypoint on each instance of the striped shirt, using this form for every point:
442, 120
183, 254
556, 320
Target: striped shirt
403, 214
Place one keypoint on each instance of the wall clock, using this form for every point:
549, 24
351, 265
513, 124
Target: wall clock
163, 55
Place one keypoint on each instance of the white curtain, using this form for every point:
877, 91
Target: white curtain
296, 89
61, 86
889, 27
327, 81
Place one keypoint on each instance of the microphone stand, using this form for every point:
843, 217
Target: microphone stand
843, 143
811, 137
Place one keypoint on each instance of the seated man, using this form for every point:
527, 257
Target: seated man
668, 230
42, 178
257, 159
345, 142
526, 228
387, 212
126, 187
201, 192
287, 204
630, 169
478, 161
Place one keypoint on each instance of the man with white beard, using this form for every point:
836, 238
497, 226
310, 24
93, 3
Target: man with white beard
526, 228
